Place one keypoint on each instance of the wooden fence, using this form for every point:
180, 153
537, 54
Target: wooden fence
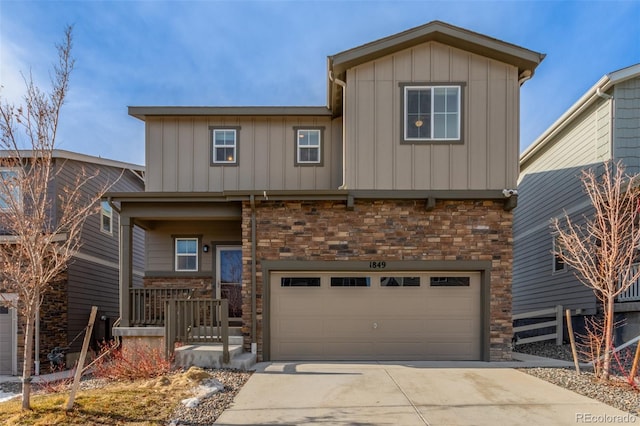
557, 323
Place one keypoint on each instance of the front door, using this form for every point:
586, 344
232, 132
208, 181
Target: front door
229, 278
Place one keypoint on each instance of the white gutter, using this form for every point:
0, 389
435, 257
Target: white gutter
344, 130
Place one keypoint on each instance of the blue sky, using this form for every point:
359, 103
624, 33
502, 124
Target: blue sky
226, 53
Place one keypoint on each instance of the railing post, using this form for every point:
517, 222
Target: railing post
559, 325
224, 317
169, 327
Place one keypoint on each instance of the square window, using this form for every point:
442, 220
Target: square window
431, 113
224, 146
106, 218
308, 146
186, 254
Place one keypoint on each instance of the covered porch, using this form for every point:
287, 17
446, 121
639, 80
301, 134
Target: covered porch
192, 280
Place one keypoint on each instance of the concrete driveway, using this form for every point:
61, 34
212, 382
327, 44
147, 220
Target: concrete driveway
409, 394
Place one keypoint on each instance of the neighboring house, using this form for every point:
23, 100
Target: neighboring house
376, 227
92, 276
603, 124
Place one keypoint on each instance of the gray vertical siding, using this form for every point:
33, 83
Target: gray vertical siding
627, 124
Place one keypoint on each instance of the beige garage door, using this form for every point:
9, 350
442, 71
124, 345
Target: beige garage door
375, 316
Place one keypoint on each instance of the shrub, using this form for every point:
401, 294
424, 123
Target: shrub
131, 363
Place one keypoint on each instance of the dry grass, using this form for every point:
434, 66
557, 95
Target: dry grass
140, 402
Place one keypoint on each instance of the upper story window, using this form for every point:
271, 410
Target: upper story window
186, 254
106, 218
224, 145
308, 146
431, 113
9, 188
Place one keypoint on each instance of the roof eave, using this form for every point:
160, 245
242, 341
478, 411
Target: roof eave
142, 112
604, 84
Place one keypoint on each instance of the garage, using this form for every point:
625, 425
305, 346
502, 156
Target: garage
381, 315
7, 337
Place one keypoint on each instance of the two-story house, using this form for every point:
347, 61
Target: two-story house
604, 124
91, 277
375, 227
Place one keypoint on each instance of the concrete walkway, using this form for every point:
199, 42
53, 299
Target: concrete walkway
417, 393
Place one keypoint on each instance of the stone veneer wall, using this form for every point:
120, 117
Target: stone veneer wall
389, 230
202, 286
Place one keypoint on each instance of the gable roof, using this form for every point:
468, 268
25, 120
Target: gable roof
68, 155
526, 60
603, 85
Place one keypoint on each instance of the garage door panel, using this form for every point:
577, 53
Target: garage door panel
299, 328
379, 322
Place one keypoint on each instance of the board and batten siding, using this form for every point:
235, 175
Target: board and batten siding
178, 153
550, 184
627, 124
160, 242
488, 156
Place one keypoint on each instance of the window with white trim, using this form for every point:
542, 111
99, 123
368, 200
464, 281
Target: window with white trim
432, 113
106, 218
308, 146
186, 254
9, 189
224, 146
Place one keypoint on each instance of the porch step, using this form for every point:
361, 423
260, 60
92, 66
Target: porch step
209, 355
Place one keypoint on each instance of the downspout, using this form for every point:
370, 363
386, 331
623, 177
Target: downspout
254, 309
344, 128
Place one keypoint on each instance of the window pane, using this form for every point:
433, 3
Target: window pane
186, 263
300, 282
450, 281
452, 100
439, 127
400, 281
314, 137
231, 266
439, 99
452, 126
413, 101
186, 246
425, 101
350, 282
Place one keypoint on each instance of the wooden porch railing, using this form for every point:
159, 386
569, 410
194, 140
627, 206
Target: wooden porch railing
197, 321
147, 305
631, 294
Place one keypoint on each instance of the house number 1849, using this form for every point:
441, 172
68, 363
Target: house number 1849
377, 265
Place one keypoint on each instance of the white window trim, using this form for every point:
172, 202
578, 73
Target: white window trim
300, 147
103, 212
234, 146
405, 101
179, 255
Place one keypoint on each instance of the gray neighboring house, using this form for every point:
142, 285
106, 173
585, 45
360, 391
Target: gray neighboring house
377, 226
603, 124
92, 276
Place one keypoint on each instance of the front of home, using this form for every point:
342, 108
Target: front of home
377, 227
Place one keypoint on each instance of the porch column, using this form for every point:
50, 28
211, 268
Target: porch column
126, 267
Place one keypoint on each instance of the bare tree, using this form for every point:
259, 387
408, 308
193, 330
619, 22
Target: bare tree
604, 248
41, 225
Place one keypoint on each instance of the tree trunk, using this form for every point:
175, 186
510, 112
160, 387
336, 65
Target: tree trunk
26, 363
608, 338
